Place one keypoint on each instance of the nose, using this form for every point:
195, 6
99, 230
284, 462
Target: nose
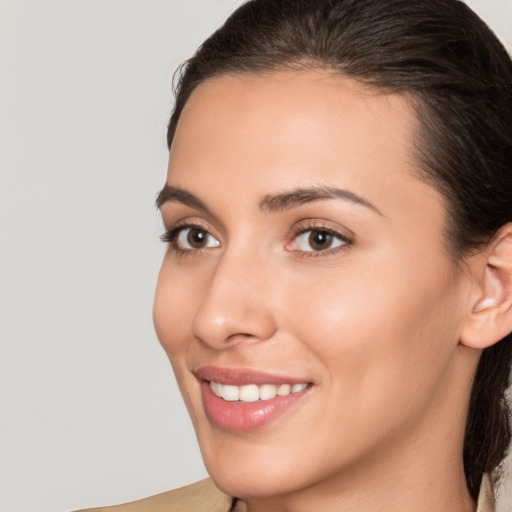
235, 306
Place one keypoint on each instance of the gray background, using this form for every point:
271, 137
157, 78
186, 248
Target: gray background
90, 413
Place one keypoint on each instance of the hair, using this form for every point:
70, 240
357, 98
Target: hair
459, 78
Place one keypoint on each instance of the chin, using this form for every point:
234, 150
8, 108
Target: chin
256, 471
252, 483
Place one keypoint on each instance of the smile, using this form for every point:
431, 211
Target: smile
249, 406
253, 393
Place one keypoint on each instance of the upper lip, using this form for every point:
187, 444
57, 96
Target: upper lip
243, 376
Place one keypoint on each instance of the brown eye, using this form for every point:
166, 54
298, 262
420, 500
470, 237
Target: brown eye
195, 238
318, 240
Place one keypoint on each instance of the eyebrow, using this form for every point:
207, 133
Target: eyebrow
272, 202
179, 195
299, 196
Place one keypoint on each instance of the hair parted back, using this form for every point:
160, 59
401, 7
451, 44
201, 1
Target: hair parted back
459, 79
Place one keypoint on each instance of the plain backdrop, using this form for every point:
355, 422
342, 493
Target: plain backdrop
90, 412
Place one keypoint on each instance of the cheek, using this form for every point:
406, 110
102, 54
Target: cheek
173, 311
378, 333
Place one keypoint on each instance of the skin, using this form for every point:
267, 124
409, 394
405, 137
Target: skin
374, 323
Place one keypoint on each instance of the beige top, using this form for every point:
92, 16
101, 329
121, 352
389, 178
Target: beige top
203, 496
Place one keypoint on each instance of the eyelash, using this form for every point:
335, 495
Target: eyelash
171, 234
320, 228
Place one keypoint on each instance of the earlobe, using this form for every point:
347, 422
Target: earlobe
490, 319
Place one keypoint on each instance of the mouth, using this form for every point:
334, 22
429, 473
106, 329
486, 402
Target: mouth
241, 400
252, 392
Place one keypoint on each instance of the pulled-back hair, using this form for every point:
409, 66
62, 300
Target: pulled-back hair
459, 79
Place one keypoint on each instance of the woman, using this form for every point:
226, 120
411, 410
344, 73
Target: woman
336, 297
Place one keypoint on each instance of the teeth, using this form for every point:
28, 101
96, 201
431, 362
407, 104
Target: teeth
298, 387
252, 392
229, 393
216, 388
267, 392
284, 389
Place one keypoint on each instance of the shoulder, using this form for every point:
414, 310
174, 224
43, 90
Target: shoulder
202, 496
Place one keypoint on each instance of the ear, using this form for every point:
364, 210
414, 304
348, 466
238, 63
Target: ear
490, 319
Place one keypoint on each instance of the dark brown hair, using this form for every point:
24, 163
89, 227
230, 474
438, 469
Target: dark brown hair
459, 77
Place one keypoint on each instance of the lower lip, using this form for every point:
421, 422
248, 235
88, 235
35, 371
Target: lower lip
245, 416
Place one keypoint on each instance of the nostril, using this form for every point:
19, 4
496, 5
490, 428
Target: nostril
243, 337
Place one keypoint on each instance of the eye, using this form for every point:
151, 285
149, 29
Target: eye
317, 240
190, 238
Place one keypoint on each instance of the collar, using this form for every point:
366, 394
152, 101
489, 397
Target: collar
485, 496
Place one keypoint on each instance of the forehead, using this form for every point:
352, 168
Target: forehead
264, 133
292, 113
300, 95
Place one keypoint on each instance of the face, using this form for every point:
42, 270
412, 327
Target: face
307, 302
